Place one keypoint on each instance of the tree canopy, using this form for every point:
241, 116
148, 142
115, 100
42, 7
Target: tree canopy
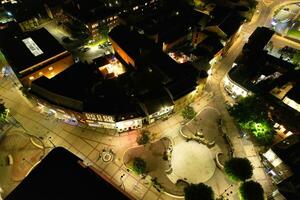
188, 112
252, 115
198, 192
251, 190
143, 138
238, 169
3, 112
139, 165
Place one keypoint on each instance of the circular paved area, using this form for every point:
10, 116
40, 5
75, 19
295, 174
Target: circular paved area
192, 162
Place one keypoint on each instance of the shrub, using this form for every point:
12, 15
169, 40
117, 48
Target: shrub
251, 190
139, 165
238, 169
198, 192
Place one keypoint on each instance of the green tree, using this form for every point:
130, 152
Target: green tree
143, 138
3, 113
252, 4
296, 60
251, 190
238, 169
252, 115
188, 112
250, 108
198, 192
139, 165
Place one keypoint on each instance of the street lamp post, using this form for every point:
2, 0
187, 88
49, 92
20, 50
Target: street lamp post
122, 183
51, 142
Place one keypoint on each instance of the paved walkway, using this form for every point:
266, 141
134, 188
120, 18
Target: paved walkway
192, 162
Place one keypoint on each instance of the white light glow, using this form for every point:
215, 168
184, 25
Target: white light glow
32, 46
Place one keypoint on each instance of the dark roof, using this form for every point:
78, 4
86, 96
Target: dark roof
231, 24
156, 24
226, 19
208, 47
290, 187
10, 29
170, 68
137, 92
294, 93
130, 41
288, 150
60, 176
252, 66
201, 18
89, 11
156, 99
26, 9
85, 85
180, 88
259, 38
20, 57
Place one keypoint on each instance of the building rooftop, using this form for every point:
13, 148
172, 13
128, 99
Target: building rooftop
288, 150
228, 20
208, 47
133, 43
263, 73
259, 38
60, 175
289, 188
294, 93
90, 11
30, 48
82, 87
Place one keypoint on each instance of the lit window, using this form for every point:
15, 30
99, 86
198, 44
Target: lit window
50, 68
31, 78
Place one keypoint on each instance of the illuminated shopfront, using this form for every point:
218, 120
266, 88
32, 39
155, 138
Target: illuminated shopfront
160, 114
234, 89
107, 121
59, 114
129, 124
99, 120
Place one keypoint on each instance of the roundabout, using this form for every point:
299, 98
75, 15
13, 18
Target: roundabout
192, 162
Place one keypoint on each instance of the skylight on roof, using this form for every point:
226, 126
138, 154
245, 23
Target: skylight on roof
32, 46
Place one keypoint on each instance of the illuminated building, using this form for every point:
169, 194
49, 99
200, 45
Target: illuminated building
256, 71
38, 54
281, 162
122, 92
